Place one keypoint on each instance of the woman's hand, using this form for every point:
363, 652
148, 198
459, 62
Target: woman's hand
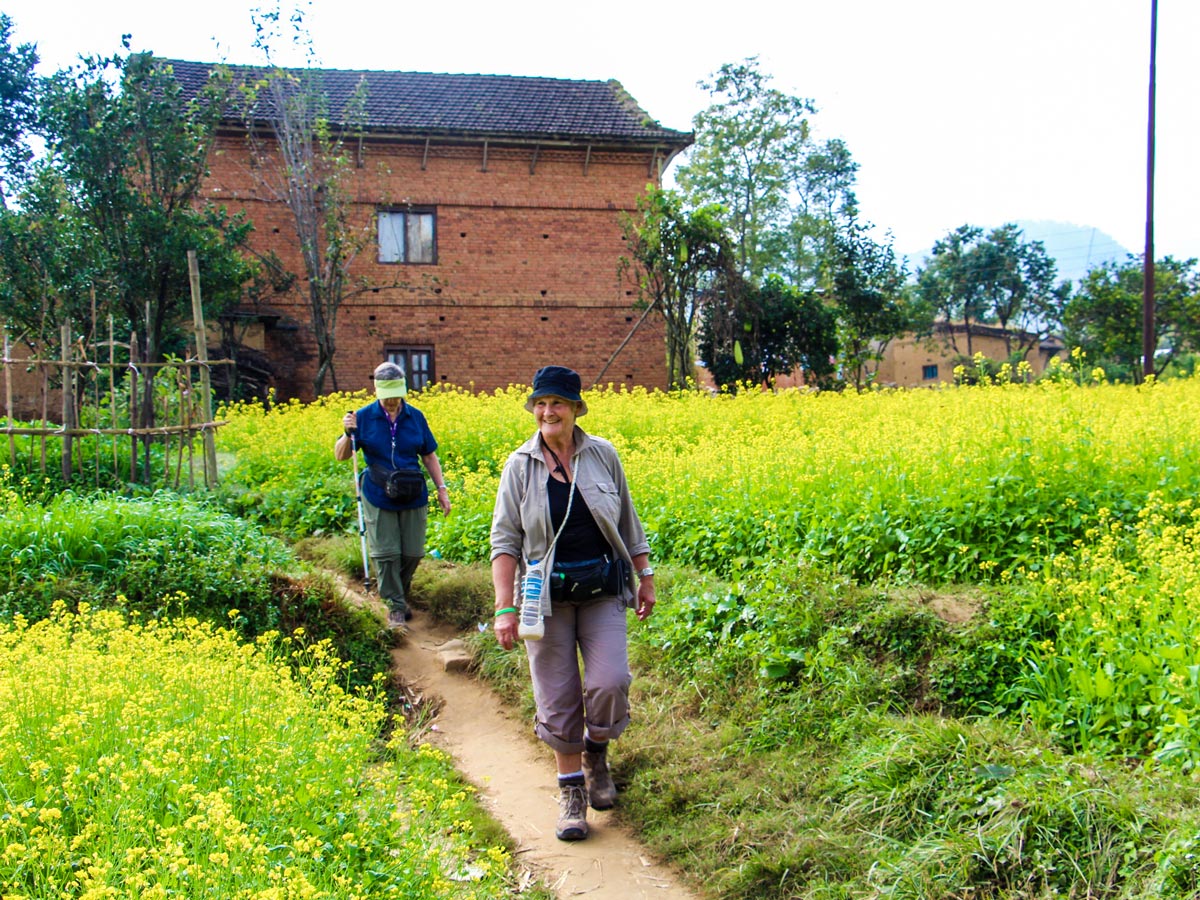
645, 598
504, 577
343, 447
505, 627
443, 498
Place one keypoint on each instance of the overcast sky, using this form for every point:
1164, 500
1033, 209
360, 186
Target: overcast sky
957, 111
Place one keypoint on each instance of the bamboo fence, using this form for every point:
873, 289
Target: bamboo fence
106, 400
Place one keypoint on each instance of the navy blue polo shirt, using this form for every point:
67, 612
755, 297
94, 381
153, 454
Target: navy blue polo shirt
398, 445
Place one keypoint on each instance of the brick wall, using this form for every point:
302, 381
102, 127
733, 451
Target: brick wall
526, 273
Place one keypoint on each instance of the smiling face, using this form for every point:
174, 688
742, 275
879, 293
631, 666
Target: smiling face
555, 417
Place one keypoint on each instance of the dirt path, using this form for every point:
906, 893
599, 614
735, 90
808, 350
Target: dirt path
516, 781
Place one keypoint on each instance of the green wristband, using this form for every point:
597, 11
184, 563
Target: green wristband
505, 611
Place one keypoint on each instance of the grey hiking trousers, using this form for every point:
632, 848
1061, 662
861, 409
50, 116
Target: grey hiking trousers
596, 703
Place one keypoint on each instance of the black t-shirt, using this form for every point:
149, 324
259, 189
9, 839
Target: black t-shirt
582, 538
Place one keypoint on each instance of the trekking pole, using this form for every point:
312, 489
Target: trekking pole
362, 525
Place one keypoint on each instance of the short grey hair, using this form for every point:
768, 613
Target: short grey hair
388, 371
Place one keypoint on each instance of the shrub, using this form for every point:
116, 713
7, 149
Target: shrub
166, 555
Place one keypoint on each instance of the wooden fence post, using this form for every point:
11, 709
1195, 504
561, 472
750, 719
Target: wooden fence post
112, 393
210, 444
133, 407
67, 405
8, 402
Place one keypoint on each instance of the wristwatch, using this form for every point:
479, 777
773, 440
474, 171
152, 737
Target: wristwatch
645, 573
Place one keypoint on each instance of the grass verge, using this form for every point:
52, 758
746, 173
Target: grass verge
816, 748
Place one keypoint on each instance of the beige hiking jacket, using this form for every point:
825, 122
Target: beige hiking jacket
521, 526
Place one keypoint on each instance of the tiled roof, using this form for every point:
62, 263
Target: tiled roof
476, 105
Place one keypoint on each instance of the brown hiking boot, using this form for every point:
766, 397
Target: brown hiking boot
572, 812
601, 790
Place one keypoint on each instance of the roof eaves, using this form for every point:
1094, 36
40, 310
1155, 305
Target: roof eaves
678, 140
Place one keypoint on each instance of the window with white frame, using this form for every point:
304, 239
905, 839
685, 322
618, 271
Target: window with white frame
407, 236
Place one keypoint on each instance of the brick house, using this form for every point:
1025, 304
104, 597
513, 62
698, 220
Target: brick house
494, 208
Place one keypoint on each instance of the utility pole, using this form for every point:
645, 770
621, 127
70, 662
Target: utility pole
1148, 342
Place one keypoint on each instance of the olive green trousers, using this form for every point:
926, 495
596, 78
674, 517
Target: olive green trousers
397, 543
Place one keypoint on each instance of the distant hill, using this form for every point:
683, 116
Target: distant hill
1074, 248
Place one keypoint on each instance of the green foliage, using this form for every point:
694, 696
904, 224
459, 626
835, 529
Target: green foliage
149, 552
866, 287
768, 331
340, 554
116, 203
165, 555
18, 106
101, 462
1104, 317
678, 257
778, 190
999, 278
170, 758
973, 809
821, 788
292, 486
49, 261
976, 667
455, 594
808, 645
826, 777
1120, 675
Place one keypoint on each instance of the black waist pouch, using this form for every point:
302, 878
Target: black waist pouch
584, 580
399, 485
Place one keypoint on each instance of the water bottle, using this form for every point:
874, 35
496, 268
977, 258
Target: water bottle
531, 627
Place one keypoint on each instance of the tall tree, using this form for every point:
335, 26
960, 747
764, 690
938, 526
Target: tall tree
949, 284
747, 143
754, 155
1104, 316
997, 277
1018, 285
867, 289
678, 258
18, 106
825, 203
307, 163
131, 153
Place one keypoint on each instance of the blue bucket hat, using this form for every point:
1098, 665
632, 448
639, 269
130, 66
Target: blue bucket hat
557, 381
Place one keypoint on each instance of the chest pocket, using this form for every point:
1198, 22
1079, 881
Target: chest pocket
605, 501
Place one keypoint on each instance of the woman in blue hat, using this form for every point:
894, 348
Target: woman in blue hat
563, 501
395, 440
